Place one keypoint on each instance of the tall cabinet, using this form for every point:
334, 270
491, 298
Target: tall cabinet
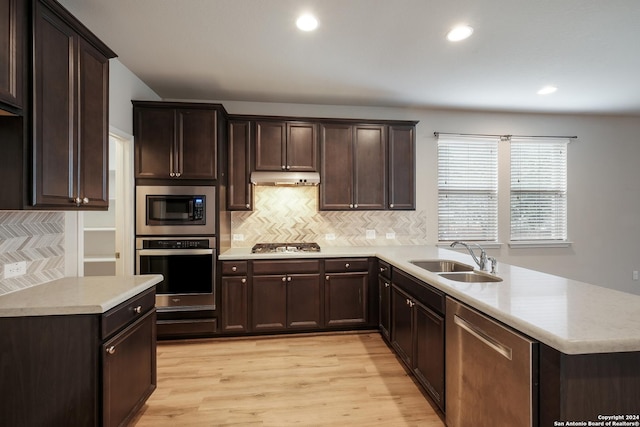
12, 54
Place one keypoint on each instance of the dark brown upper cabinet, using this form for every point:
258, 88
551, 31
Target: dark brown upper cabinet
176, 141
286, 146
240, 190
70, 115
353, 167
402, 167
12, 53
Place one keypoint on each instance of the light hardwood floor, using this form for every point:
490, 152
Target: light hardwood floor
316, 380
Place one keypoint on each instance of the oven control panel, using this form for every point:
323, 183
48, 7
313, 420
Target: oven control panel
176, 244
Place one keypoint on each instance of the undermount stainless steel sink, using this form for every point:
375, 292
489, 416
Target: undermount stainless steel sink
441, 265
470, 277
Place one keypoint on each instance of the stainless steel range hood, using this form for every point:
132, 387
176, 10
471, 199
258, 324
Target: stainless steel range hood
285, 178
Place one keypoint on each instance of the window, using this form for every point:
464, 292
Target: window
538, 189
467, 188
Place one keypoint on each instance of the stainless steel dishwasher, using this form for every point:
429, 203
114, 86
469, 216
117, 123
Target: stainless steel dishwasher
491, 372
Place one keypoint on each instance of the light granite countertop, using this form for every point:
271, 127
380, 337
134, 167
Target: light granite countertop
570, 316
75, 295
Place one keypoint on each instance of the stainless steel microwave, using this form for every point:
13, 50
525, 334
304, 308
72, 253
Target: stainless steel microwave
175, 210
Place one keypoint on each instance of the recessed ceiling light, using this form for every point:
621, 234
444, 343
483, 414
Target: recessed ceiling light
547, 90
307, 22
458, 33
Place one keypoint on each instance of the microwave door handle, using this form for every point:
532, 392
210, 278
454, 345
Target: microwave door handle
191, 209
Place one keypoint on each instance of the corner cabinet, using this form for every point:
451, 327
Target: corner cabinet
80, 369
177, 141
12, 54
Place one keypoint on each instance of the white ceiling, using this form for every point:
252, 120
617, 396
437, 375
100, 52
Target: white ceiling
381, 52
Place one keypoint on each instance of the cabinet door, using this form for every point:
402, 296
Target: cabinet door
402, 325
385, 306
269, 303
196, 144
240, 190
234, 304
370, 167
402, 166
93, 122
12, 48
54, 115
154, 130
336, 166
270, 146
428, 364
302, 147
346, 299
129, 370
303, 301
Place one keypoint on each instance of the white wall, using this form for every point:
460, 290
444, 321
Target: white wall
603, 182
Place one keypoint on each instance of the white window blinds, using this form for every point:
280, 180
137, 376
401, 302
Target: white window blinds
467, 188
538, 189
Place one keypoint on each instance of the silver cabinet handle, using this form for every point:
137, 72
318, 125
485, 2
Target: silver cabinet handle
137, 309
234, 268
483, 337
111, 349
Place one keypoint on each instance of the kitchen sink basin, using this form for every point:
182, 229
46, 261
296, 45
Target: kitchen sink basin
470, 277
442, 265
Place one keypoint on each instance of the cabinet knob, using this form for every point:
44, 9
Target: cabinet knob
351, 205
288, 278
383, 269
347, 265
391, 205
326, 277
288, 167
137, 309
178, 174
244, 281
248, 205
234, 268
408, 303
283, 167
172, 174
85, 201
355, 206
111, 349
284, 278
77, 201
386, 284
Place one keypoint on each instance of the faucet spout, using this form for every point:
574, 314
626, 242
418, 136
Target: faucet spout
482, 262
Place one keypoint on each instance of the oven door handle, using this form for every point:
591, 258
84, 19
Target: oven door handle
165, 252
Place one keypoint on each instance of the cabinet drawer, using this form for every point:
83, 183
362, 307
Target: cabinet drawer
230, 268
345, 265
384, 269
286, 267
421, 291
125, 313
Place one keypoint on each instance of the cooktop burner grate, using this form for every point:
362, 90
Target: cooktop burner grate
267, 248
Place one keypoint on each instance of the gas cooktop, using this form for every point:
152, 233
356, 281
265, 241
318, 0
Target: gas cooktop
268, 248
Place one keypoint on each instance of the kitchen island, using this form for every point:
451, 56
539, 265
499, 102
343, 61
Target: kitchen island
588, 362
78, 351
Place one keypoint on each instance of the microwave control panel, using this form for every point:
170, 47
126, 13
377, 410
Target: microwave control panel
198, 208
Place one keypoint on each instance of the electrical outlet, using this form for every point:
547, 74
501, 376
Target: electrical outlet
371, 234
635, 275
238, 237
329, 236
15, 269
391, 236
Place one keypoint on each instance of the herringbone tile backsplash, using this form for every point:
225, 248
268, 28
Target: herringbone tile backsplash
36, 238
290, 214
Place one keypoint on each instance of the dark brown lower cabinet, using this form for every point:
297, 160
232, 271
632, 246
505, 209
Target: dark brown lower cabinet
303, 301
80, 369
384, 289
346, 299
235, 302
269, 303
417, 334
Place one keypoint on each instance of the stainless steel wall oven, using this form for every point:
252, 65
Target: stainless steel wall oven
188, 266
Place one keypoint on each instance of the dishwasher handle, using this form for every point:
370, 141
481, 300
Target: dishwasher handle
483, 337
